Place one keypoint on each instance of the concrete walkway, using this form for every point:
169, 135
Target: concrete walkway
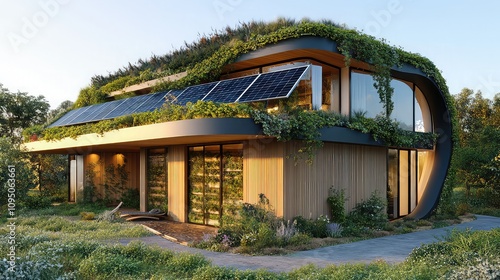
392, 249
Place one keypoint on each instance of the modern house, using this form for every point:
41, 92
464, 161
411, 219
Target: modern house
200, 167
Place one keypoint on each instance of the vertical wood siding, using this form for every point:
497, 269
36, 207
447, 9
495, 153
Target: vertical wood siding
263, 172
359, 170
177, 183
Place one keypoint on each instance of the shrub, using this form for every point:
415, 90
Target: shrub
215, 272
31, 269
369, 213
481, 269
87, 216
334, 230
313, 227
286, 230
462, 208
459, 249
304, 225
36, 202
185, 265
336, 201
299, 239
102, 265
130, 198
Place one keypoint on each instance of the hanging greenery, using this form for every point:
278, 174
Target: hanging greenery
288, 123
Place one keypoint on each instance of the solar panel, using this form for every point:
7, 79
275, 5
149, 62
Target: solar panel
173, 94
124, 108
195, 93
64, 119
81, 114
152, 103
227, 91
111, 106
97, 109
273, 85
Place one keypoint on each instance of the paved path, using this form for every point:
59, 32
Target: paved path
392, 249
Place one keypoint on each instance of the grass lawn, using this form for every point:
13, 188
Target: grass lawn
54, 243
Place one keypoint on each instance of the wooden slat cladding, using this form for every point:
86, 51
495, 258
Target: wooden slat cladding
359, 170
263, 172
177, 183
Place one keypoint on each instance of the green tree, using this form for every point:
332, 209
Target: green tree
479, 134
18, 111
58, 112
495, 114
12, 156
51, 175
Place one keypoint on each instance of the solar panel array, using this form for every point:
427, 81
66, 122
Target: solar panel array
266, 86
112, 109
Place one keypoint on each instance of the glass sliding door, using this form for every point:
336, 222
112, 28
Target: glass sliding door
196, 185
392, 184
404, 195
215, 182
402, 185
232, 179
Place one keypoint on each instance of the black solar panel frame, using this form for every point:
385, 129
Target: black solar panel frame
195, 93
97, 109
75, 119
154, 103
172, 95
62, 121
230, 88
289, 79
124, 108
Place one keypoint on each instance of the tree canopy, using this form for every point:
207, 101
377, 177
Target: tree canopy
20, 110
477, 157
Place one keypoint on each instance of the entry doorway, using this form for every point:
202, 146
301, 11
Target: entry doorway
402, 185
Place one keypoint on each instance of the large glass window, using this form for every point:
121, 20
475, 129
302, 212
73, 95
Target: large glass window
423, 122
410, 106
364, 95
215, 182
403, 104
402, 185
330, 99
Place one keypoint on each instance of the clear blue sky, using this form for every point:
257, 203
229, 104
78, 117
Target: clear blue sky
54, 47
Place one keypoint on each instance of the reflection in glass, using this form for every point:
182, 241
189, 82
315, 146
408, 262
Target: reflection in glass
392, 184
215, 182
403, 104
364, 96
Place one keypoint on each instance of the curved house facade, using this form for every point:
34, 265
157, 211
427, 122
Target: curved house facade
200, 168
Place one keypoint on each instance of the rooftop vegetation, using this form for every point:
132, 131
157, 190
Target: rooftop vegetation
205, 59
